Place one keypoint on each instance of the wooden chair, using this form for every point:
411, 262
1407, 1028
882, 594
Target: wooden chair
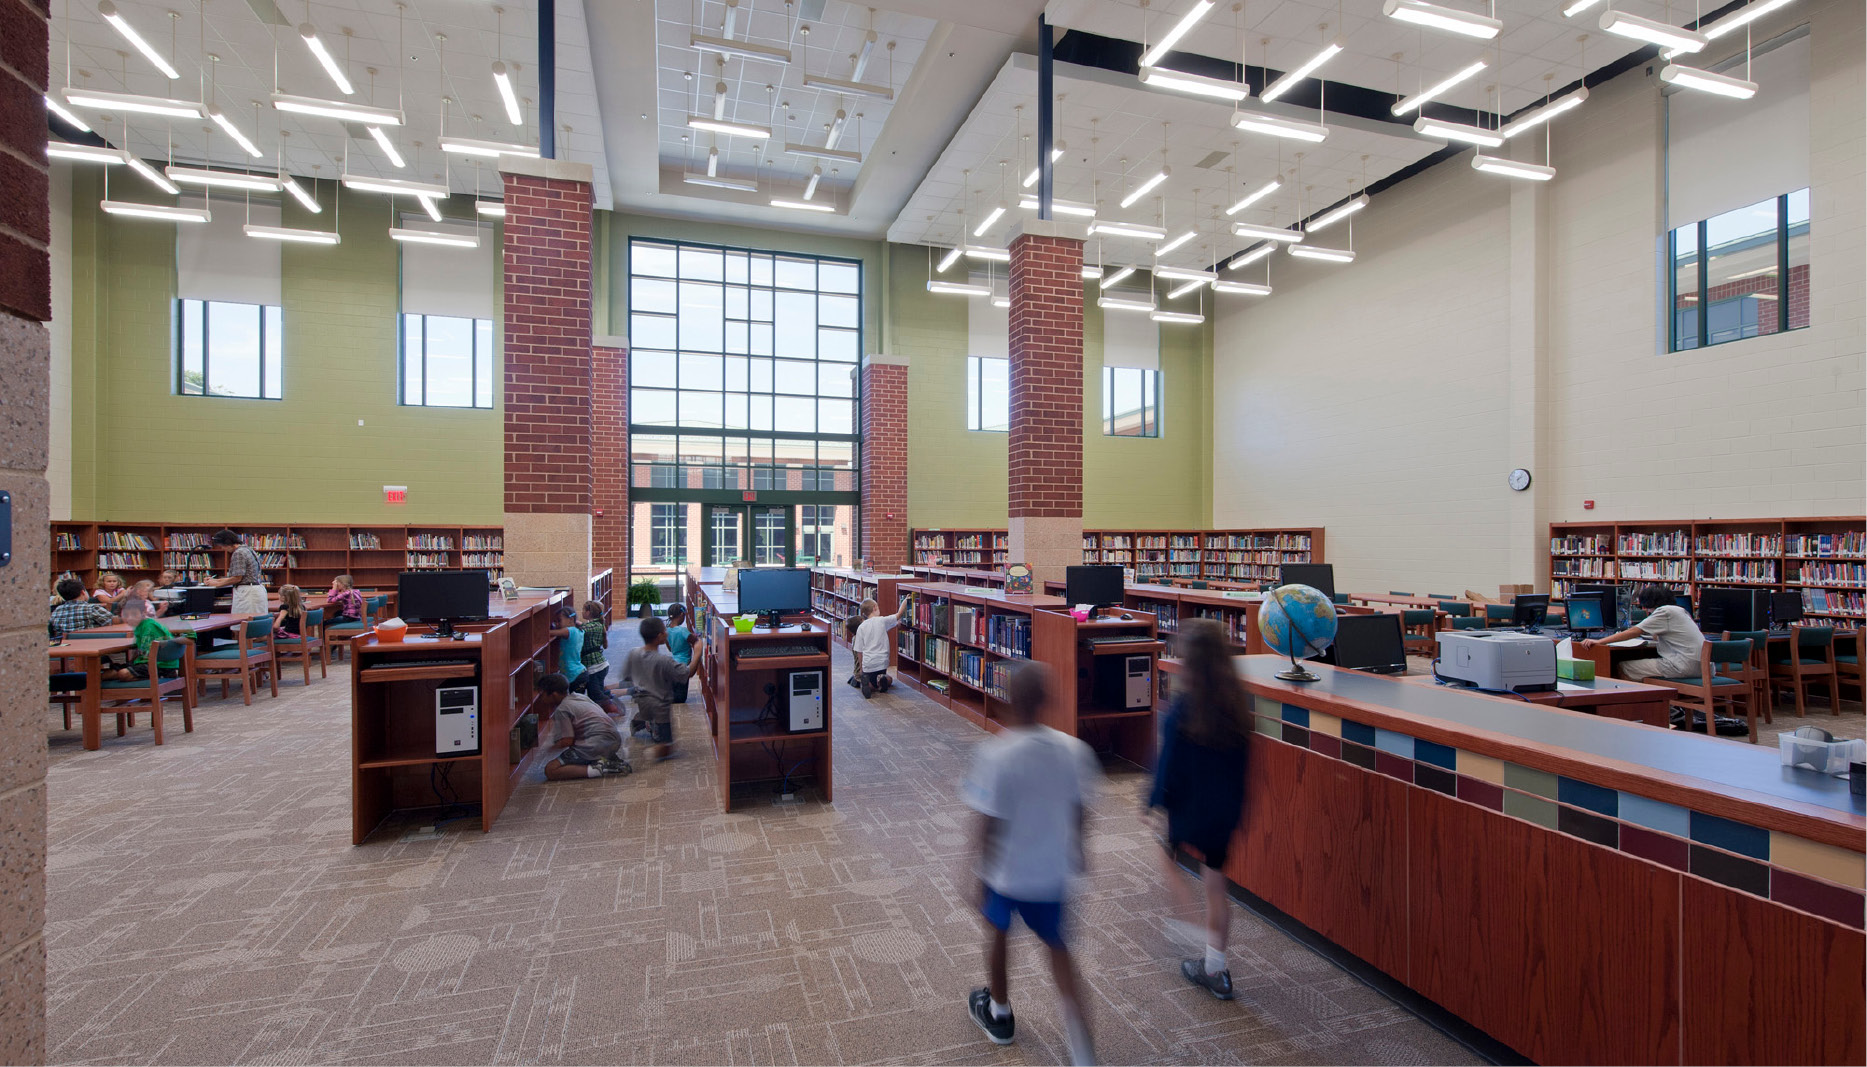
1467, 622
1498, 616
1458, 609
1441, 597
121, 698
1397, 592
339, 635
1809, 658
1848, 663
1715, 685
303, 649
1417, 626
253, 656
1756, 672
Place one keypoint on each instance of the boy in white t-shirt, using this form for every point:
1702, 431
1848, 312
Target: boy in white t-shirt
1675, 636
869, 648
1031, 786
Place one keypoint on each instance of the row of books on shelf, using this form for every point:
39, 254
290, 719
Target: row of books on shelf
1009, 635
972, 557
1166, 613
365, 542
431, 542
1740, 544
1233, 619
428, 561
930, 650
849, 587
66, 541
822, 603
485, 560
122, 561
118, 539
1834, 602
1760, 571
1852, 543
479, 542
1581, 545
1652, 570
1671, 543
1830, 574
988, 676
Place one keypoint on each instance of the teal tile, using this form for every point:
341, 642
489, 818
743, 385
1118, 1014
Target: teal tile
1530, 809
1542, 783
1396, 744
1656, 815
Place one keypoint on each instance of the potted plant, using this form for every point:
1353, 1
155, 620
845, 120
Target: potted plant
646, 595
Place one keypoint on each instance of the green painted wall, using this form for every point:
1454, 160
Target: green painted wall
141, 452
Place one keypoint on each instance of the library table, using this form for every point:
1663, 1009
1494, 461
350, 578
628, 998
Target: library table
90, 655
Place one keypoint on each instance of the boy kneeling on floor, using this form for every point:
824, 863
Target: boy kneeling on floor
658, 679
595, 743
869, 648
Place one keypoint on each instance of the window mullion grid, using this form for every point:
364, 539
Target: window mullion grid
1782, 263
1704, 285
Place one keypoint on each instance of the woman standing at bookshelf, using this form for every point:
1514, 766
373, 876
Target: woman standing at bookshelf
244, 574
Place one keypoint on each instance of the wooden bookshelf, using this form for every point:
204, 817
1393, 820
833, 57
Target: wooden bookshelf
1172, 605
1244, 556
837, 593
957, 575
973, 549
301, 554
1822, 557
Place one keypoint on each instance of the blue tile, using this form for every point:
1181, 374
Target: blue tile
1399, 744
1360, 733
1656, 815
1437, 755
1731, 836
1295, 715
1584, 795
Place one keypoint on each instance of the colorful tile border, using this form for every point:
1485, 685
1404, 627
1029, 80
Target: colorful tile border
1807, 875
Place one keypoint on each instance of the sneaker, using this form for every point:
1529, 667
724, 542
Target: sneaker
1219, 985
853, 683
659, 753
882, 683
615, 765
979, 1006
867, 689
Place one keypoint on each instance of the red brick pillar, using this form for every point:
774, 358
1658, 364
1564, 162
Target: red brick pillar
609, 459
1046, 446
885, 462
548, 382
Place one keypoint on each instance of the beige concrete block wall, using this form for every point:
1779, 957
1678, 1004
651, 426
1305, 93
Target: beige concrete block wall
547, 549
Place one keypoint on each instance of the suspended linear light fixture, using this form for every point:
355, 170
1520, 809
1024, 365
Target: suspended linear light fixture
1245, 259
1183, 274
1578, 7
387, 146
1337, 214
503, 80
70, 117
1112, 228
1172, 37
325, 59
1438, 17
1122, 303
1145, 187
1092, 273
1062, 207
1511, 168
1266, 233
1457, 131
150, 174
841, 154
143, 105
998, 212
1278, 126
1289, 79
286, 233
340, 110
1241, 288
1251, 198
226, 124
223, 179
810, 187
1327, 255
299, 193
435, 237
951, 257
109, 11
432, 207
843, 85
85, 153
491, 149
1185, 318
1112, 280
991, 255
742, 49
492, 209
1635, 28
1451, 81
1175, 243
1031, 178
394, 186
803, 205
1558, 106
736, 129
1706, 81
1194, 84
1740, 18
934, 285
159, 212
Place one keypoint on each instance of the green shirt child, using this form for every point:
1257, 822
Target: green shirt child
150, 630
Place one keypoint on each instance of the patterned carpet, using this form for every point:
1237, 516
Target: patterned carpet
206, 906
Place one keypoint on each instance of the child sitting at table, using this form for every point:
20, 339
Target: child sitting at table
144, 591
110, 589
74, 612
147, 631
289, 621
343, 603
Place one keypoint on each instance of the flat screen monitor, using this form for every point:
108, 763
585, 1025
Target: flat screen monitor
1319, 576
775, 591
1529, 609
199, 599
1610, 604
1586, 612
1683, 601
1731, 609
1098, 586
1370, 643
444, 597
1785, 608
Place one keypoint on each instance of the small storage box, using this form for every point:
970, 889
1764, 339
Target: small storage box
391, 631
1822, 756
1575, 670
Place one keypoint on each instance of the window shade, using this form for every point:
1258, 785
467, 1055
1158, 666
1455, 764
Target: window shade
1130, 339
438, 280
1723, 154
216, 260
988, 328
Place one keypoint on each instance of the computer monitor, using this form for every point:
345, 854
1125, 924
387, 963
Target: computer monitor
1721, 609
199, 599
1586, 612
774, 592
1529, 609
1610, 603
1319, 576
1785, 608
441, 597
1369, 643
1099, 586
1683, 601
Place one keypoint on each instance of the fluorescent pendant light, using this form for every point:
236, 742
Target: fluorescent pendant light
1759, 272
737, 129
1278, 126
1116, 278
159, 212
992, 255
1740, 18
1543, 114
1241, 288
336, 109
84, 153
1119, 303
1092, 273
1327, 255
491, 149
1457, 131
1511, 168
1251, 198
1290, 78
286, 233
1128, 229
1413, 102
1144, 188
1248, 258
1180, 29
223, 179
951, 257
1175, 243
503, 81
435, 237
492, 209
1194, 84
713, 163
737, 184
226, 124
1001, 298
806, 205
1185, 317
142, 105
824, 153
1578, 7
1031, 178
1338, 214
853, 88
1761, 296
1061, 207
1635, 28
71, 117
1183, 274
726, 46
1266, 233
433, 209
150, 174
997, 213
109, 11
1451, 20
395, 187
304, 198
325, 59
810, 187
958, 288
1707, 82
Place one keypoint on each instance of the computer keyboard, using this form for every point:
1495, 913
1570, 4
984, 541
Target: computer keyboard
398, 664
774, 651
1115, 639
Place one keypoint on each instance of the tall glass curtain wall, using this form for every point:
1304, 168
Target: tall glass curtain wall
743, 405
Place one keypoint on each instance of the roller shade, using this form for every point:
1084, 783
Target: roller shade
216, 260
1723, 154
1130, 339
439, 280
988, 328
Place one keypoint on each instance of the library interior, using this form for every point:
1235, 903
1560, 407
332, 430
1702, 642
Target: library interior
1290, 531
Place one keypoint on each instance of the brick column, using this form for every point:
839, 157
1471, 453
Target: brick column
1046, 447
609, 459
548, 379
25, 413
885, 462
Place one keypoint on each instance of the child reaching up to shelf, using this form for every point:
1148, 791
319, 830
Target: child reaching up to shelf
680, 643
869, 648
658, 679
342, 603
596, 659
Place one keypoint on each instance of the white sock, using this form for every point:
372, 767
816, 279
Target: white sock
593, 771
999, 1011
1215, 960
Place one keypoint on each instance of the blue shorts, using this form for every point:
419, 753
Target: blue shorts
1044, 917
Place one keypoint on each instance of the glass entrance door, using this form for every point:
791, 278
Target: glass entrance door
725, 534
771, 535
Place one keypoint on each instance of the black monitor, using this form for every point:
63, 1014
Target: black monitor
1318, 576
1721, 609
1369, 643
441, 597
1785, 608
1610, 604
199, 599
1683, 601
1099, 586
1529, 609
1586, 611
774, 592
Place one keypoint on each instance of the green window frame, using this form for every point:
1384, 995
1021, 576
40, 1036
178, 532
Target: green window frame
1740, 274
427, 377
1137, 412
229, 349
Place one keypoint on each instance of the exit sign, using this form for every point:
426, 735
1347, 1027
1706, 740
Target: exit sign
394, 494
747, 495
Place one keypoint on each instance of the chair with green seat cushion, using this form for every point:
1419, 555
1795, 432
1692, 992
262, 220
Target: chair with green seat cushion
1416, 630
1500, 615
251, 657
339, 635
1456, 608
1848, 662
1756, 671
1467, 622
1339, 598
306, 647
1717, 683
1808, 657
1396, 592
125, 698
1440, 596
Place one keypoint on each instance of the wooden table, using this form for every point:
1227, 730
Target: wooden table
90, 654
1612, 697
177, 625
1407, 601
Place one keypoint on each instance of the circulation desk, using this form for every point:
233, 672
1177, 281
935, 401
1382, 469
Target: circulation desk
1584, 890
393, 762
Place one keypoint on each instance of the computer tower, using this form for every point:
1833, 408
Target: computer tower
1125, 682
803, 692
457, 720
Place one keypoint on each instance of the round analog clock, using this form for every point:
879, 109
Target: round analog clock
1520, 479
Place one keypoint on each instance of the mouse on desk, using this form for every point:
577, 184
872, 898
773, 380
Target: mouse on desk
1127, 617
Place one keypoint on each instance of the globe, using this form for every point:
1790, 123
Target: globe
1297, 621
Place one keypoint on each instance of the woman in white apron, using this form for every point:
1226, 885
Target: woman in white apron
244, 574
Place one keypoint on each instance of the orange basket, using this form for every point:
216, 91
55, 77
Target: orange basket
386, 634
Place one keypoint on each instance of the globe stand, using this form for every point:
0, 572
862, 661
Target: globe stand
1297, 673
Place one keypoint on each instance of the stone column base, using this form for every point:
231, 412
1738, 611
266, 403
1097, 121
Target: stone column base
549, 549
1046, 545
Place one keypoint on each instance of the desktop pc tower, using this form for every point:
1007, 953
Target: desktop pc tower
457, 720
1125, 682
803, 692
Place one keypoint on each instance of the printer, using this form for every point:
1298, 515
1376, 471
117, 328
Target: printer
1501, 659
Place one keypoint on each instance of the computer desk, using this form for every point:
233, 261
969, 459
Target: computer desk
1611, 697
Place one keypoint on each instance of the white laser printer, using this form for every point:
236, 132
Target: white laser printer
1521, 663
